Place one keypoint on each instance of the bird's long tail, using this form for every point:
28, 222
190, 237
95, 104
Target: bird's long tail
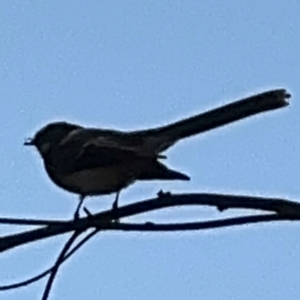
163, 137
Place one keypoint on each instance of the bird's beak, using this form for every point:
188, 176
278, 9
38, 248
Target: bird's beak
29, 142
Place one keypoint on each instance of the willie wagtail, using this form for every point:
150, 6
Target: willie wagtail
94, 161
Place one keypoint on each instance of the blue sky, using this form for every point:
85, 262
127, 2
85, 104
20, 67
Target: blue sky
135, 64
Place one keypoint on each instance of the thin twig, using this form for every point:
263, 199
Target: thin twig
46, 272
58, 263
189, 226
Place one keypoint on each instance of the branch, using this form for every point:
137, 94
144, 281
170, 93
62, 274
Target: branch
104, 220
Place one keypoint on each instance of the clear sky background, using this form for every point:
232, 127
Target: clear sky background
133, 64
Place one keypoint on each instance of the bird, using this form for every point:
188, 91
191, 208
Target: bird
92, 161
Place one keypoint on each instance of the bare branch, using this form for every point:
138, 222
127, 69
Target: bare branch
103, 220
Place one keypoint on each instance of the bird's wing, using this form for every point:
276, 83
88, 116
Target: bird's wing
86, 149
102, 152
84, 135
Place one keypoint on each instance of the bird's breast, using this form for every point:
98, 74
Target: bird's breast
98, 181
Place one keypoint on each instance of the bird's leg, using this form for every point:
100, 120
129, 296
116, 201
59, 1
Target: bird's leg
116, 203
76, 214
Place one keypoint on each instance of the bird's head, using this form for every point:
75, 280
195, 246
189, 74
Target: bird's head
50, 135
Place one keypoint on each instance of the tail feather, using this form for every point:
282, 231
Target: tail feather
158, 171
160, 139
